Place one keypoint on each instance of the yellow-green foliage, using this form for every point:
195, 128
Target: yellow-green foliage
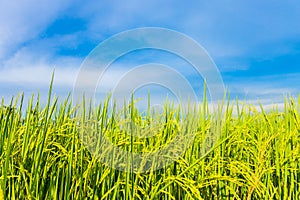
257, 155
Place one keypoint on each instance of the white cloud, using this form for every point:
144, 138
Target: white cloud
38, 75
225, 28
21, 21
31, 68
268, 89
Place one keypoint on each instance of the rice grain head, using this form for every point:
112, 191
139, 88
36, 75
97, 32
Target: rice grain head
1, 194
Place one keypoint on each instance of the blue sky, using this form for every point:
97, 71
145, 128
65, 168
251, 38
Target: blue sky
255, 44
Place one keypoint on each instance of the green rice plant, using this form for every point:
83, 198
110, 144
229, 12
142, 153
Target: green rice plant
44, 156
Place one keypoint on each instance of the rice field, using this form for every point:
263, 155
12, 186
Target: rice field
256, 155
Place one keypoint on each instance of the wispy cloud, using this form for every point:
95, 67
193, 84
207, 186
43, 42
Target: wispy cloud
33, 71
23, 21
271, 88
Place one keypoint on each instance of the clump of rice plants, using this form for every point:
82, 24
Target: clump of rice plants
42, 156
